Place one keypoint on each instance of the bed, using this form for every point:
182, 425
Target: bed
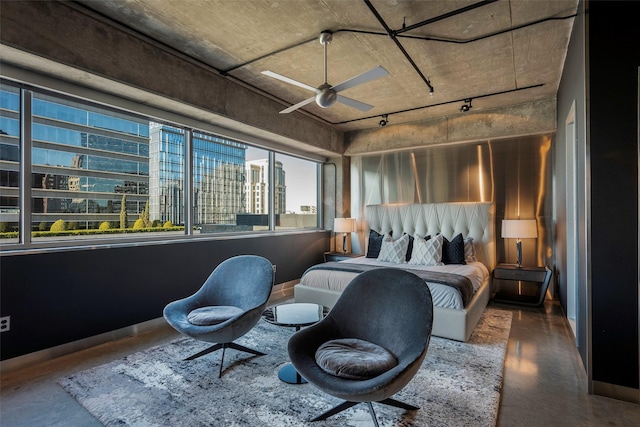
456, 310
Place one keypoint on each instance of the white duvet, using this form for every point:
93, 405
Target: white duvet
442, 295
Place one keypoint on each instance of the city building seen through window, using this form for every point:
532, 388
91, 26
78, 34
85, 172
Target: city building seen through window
95, 172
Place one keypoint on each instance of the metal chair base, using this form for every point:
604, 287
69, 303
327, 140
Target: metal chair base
224, 346
347, 405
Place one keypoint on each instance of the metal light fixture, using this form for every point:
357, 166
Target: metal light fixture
344, 226
467, 106
519, 229
384, 121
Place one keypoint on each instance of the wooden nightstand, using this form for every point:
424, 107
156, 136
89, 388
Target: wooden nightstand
339, 256
521, 285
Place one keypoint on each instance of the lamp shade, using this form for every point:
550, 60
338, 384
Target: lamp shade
519, 228
344, 225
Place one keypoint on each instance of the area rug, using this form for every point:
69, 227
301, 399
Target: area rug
458, 385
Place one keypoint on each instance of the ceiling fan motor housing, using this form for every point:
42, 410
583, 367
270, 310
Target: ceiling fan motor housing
326, 96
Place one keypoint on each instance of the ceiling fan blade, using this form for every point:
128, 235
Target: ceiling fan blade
355, 104
298, 105
362, 78
288, 80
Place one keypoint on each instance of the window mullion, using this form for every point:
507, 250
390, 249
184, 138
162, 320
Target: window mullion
272, 190
26, 118
188, 182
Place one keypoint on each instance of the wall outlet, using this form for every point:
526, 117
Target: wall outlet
5, 323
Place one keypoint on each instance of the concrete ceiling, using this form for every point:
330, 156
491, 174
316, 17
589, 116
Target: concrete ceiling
496, 53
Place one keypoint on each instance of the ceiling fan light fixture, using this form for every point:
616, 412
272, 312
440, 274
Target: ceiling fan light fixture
326, 96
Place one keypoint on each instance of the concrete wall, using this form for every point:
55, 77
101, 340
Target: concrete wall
70, 35
531, 118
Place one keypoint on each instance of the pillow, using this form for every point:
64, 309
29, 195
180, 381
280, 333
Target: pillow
208, 316
409, 248
394, 250
354, 359
453, 251
427, 251
469, 250
375, 242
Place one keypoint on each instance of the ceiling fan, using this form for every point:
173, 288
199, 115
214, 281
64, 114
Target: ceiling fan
325, 94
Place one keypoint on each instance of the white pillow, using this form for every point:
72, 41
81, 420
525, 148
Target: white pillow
394, 250
427, 252
469, 250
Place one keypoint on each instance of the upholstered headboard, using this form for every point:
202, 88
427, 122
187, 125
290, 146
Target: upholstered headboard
472, 219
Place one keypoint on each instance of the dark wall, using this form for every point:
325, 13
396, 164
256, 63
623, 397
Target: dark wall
613, 60
55, 298
572, 90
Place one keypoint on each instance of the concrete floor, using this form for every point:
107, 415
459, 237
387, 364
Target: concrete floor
544, 383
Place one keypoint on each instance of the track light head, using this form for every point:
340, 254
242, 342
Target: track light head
384, 121
467, 106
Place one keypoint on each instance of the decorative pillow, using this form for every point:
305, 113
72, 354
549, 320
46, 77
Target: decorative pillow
208, 316
453, 251
469, 250
394, 250
409, 248
374, 245
354, 359
427, 251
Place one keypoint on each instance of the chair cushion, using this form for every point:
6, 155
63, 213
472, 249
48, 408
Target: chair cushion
354, 359
207, 316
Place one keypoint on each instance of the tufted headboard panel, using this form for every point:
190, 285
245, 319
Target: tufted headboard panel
472, 219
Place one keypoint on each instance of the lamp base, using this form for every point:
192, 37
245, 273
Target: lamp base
344, 243
519, 252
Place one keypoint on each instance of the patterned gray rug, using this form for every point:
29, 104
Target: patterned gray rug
458, 385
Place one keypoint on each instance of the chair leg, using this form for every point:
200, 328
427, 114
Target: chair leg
373, 414
206, 351
224, 347
341, 407
396, 403
245, 349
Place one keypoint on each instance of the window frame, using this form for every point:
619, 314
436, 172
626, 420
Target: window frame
25, 240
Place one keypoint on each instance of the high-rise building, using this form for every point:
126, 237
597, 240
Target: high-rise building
85, 158
257, 187
218, 176
82, 158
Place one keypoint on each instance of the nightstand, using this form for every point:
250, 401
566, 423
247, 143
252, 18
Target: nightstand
339, 256
521, 285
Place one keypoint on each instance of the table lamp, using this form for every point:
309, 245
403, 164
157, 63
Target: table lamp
519, 229
344, 226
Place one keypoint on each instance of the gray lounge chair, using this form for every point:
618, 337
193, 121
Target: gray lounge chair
386, 309
227, 306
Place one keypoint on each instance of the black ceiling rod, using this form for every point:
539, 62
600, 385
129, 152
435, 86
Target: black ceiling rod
445, 16
398, 44
485, 36
228, 70
455, 101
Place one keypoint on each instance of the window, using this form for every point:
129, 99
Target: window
90, 168
296, 192
97, 172
9, 163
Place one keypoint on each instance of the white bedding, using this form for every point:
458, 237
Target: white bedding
442, 295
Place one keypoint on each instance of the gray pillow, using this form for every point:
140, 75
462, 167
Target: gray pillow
354, 359
207, 316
